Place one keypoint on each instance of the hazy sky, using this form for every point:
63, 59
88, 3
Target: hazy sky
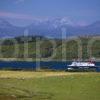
22, 12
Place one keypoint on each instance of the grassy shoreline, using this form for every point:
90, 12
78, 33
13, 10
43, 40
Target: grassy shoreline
33, 74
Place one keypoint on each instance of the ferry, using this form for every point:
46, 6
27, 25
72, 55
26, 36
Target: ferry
81, 65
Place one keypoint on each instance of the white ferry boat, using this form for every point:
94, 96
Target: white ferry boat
81, 65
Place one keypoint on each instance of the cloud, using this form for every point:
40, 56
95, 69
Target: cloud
11, 15
15, 16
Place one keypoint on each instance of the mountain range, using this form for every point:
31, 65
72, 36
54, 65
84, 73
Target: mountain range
49, 28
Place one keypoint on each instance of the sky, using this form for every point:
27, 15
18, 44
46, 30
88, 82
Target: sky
23, 12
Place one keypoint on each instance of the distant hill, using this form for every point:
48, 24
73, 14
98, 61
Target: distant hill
9, 30
49, 28
7, 49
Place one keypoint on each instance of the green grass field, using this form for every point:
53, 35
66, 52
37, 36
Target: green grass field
49, 86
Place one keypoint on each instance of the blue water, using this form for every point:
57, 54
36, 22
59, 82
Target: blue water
58, 65
32, 65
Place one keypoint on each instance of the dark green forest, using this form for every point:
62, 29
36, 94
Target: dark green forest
63, 49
